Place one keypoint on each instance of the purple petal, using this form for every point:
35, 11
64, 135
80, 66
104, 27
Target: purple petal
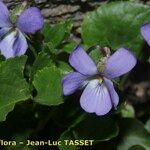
3, 32
4, 16
20, 45
96, 98
13, 45
30, 20
114, 96
121, 62
145, 31
72, 82
6, 45
80, 60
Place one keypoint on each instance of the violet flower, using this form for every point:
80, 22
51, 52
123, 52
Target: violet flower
99, 95
12, 39
145, 31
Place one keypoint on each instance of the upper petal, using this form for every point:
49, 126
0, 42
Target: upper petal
145, 31
30, 20
96, 98
72, 82
121, 62
4, 16
80, 60
14, 44
113, 94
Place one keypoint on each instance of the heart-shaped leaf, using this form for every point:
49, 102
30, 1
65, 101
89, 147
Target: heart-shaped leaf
116, 24
13, 87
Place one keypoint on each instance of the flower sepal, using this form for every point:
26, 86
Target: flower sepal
16, 12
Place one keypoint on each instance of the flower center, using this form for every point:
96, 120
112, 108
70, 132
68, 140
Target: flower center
100, 79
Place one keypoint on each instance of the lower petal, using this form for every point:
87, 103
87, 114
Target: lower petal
113, 94
96, 98
72, 82
14, 44
20, 45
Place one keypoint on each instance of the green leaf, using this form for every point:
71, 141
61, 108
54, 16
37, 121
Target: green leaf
64, 68
2, 58
137, 147
116, 24
96, 128
96, 55
128, 111
147, 125
13, 86
49, 48
132, 132
68, 48
57, 33
48, 85
67, 135
42, 60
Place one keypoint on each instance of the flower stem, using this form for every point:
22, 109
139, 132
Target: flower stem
33, 51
